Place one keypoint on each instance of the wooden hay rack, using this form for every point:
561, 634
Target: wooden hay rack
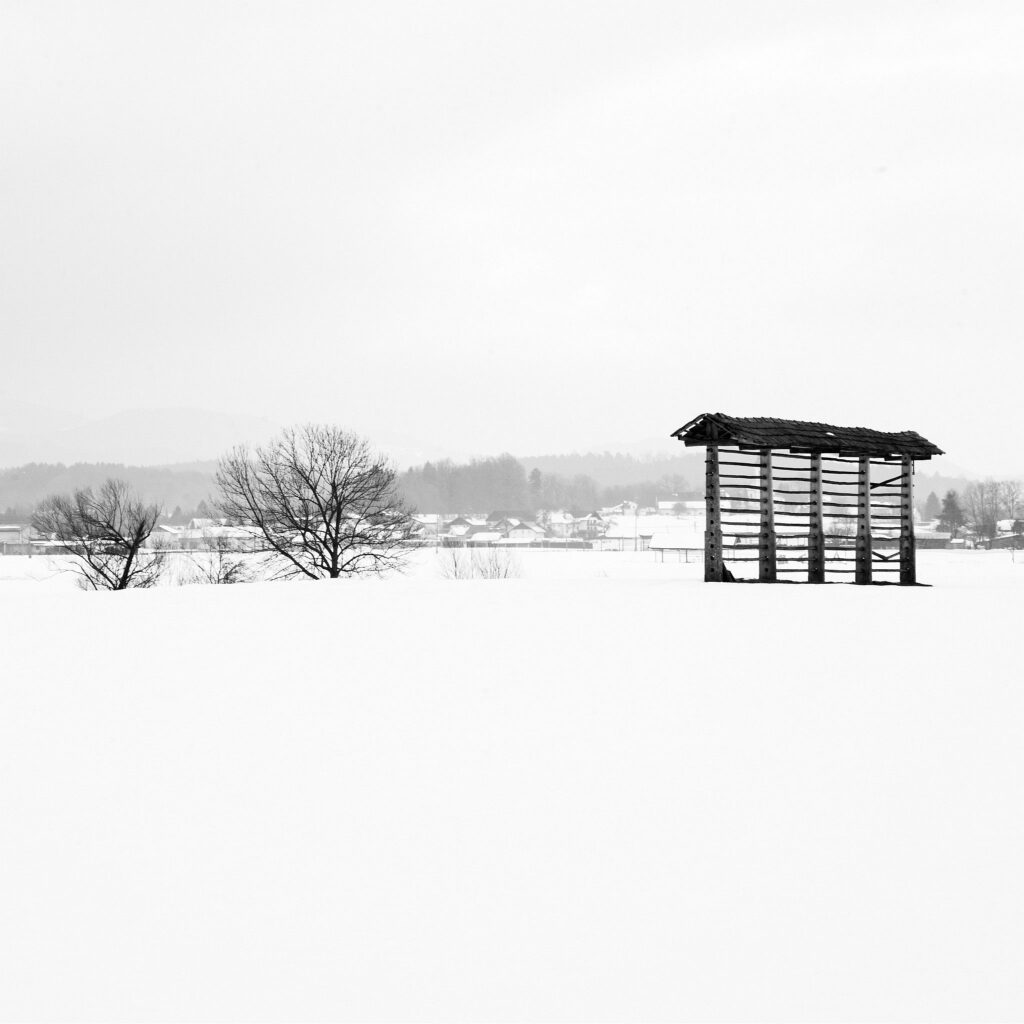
807, 500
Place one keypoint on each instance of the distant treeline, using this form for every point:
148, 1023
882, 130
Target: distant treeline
503, 483
611, 469
481, 485
184, 490
578, 482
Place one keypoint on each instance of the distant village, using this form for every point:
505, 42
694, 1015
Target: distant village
599, 502
673, 527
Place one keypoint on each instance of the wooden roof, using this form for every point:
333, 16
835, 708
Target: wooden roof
801, 436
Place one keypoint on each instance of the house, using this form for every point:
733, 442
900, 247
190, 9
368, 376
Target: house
524, 533
15, 540
458, 530
932, 538
458, 526
590, 526
504, 524
520, 516
165, 535
425, 524
559, 524
417, 532
205, 524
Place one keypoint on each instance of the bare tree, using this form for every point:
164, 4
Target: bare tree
322, 499
1009, 498
219, 561
982, 505
105, 533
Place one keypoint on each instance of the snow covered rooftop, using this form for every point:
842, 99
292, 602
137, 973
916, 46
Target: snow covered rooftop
767, 432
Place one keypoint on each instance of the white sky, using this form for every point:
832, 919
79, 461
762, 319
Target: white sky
528, 226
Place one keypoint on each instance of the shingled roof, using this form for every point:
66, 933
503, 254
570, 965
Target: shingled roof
798, 435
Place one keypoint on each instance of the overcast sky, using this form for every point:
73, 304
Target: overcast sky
525, 227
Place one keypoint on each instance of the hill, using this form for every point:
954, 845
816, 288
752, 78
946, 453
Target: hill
22, 487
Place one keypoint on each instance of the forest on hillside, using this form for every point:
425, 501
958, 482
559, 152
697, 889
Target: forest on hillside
611, 469
503, 483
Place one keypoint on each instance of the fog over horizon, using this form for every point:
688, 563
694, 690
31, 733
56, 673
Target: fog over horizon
196, 438
535, 228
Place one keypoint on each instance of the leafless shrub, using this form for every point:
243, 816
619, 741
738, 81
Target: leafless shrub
104, 533
217, 560
478, 564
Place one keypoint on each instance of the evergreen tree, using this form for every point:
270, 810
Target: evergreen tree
951, 517
932, 507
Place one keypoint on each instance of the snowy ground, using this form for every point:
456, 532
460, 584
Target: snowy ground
603, 791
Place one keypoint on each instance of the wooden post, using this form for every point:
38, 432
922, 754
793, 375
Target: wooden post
863, 557
766, 540
908, 550
713, 526
816, 541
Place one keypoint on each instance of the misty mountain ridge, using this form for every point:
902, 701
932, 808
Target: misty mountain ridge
132, 437
187, 437
169, 455
182, 437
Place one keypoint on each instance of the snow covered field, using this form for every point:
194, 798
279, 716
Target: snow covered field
602, 791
